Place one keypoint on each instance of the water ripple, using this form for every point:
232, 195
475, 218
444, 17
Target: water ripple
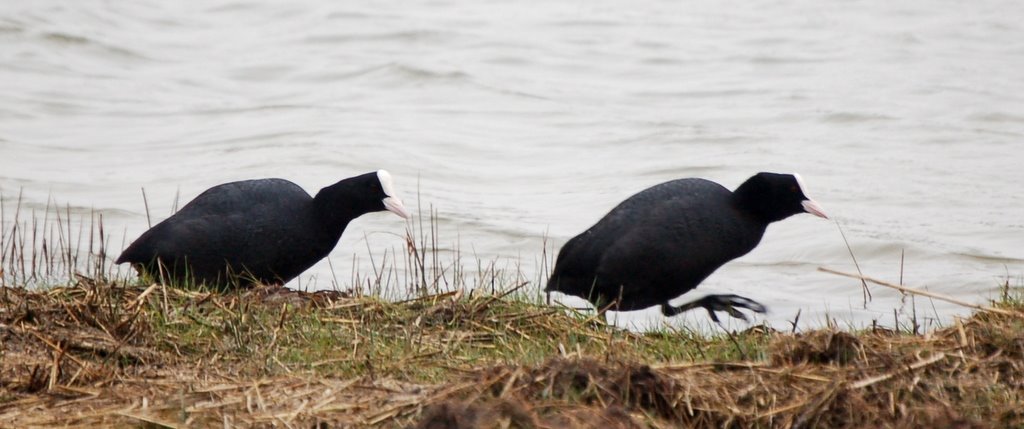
520, 119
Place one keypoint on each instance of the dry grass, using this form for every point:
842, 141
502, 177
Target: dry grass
113, 353
106, 354
970, 375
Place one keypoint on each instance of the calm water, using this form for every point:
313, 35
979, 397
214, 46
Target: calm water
520, 120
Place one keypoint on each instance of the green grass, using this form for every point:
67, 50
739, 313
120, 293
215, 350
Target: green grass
422, 340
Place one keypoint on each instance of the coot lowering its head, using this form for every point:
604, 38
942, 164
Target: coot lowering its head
665, 240
266, 231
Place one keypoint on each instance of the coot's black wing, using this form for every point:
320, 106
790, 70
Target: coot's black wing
656, 245
240, 224
576, 265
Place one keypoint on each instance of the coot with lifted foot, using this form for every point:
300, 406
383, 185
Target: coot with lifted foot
663, 241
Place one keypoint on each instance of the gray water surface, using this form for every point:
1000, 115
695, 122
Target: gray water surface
524, 120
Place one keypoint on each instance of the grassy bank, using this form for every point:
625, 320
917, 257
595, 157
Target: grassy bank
99, 353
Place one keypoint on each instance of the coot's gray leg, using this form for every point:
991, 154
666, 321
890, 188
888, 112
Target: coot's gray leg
712, 303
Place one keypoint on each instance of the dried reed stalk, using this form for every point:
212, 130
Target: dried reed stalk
921, 292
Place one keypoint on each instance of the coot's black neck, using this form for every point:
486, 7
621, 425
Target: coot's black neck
754, 197
337, 205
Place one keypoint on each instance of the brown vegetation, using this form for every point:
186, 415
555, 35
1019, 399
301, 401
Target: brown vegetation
98, 353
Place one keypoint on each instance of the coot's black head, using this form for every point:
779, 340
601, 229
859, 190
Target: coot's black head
773, 197
370, 192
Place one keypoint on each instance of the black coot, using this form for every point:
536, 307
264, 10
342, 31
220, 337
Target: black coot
665, 240
267, 230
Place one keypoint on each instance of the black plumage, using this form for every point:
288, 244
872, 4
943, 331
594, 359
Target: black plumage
662, 242
257, 231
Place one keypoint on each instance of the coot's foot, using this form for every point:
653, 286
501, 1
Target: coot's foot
712, 303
